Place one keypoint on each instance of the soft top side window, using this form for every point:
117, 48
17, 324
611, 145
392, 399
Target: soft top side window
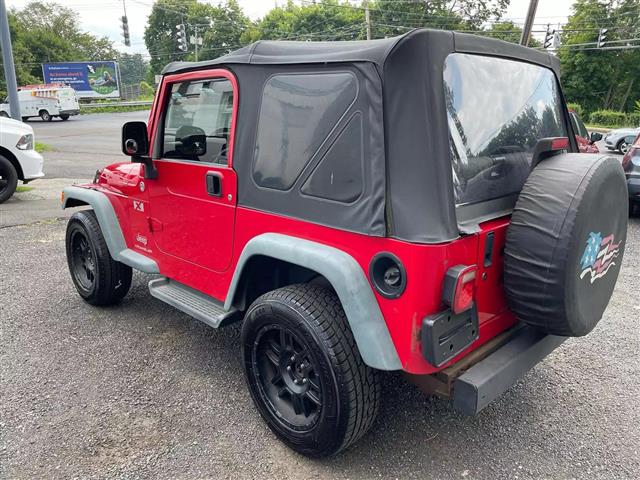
297, 113
497, 110
197, 121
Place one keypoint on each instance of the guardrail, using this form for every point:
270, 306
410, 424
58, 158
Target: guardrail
142, 103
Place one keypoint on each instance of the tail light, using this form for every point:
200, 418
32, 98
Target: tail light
460, 287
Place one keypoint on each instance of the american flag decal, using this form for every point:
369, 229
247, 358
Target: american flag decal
599, 256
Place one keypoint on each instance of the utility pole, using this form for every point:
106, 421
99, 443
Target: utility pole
528, 23
7, 60
367, 19
197, 39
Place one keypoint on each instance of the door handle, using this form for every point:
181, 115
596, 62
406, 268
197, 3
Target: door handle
214, 184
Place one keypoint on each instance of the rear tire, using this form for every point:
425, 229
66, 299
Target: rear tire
45, 116
8, 179
4, 114
99, 279
304, 371
64, 116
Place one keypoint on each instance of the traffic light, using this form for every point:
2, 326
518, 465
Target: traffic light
602, 37
549, 37
181, 36
125, 31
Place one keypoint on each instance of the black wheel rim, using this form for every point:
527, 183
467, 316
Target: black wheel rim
286, 377
83, 261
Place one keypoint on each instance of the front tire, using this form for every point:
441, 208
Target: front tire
304, 371
98, 278
45, 116
8, 179
623, 147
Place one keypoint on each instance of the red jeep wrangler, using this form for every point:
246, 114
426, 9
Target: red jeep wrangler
414, 203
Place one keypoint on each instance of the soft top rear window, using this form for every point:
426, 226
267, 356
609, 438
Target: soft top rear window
497, 110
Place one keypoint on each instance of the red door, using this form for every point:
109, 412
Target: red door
193, 197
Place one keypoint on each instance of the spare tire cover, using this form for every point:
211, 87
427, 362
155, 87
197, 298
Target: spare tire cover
565, 243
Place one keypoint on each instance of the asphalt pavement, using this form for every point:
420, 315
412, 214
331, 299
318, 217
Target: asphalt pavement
143, 391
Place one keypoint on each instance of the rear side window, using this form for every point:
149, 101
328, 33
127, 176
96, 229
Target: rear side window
497, 111
297, 113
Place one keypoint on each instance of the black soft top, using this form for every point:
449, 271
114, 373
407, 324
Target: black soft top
273, 52
399, 112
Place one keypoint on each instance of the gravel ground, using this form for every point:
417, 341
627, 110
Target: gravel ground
143, 391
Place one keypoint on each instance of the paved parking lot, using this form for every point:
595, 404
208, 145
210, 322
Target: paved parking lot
144, 391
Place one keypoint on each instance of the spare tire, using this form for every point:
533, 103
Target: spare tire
565, 243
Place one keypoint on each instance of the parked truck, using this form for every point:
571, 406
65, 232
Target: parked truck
45, 101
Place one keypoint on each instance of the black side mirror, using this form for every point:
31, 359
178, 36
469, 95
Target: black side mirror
135, 144
595, 137
135, 141
191, 141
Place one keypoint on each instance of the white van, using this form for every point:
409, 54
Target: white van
45, 101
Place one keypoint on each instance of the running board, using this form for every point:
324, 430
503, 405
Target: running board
192, 302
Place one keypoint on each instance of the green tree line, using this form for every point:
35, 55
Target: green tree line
594, 78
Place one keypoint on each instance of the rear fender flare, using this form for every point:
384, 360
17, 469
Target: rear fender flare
110, 227
347, 279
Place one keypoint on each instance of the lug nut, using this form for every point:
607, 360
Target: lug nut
304, 380
288, 368
293, 358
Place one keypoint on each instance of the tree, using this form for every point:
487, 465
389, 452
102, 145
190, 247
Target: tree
599, 78
219, 26
47, 32
133, 68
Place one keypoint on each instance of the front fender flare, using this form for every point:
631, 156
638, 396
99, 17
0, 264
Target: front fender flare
348, 280
110, 227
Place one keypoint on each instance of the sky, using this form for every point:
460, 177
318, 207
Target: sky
102, 17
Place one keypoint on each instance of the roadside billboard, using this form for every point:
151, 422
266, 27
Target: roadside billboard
88, 79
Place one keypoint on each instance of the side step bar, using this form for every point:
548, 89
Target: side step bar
491, 376
192, 302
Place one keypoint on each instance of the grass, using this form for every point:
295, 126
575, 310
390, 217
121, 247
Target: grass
114, 109
23, 188
43, 147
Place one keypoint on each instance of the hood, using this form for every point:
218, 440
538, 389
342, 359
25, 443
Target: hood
9, 124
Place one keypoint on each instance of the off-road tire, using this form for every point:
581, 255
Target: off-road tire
350, 390
111, 280
9, 180
64, 117
45, 116
565, 243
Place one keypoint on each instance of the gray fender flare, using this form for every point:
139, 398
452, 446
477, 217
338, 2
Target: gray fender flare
110, 227
348, 280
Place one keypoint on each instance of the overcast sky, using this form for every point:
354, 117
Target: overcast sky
102, 17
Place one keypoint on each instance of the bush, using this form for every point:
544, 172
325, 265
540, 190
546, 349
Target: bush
609, 118
576, 107
146, 90
633, 119
637, 106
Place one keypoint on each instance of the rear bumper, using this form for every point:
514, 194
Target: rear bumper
69, 112
492, 376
